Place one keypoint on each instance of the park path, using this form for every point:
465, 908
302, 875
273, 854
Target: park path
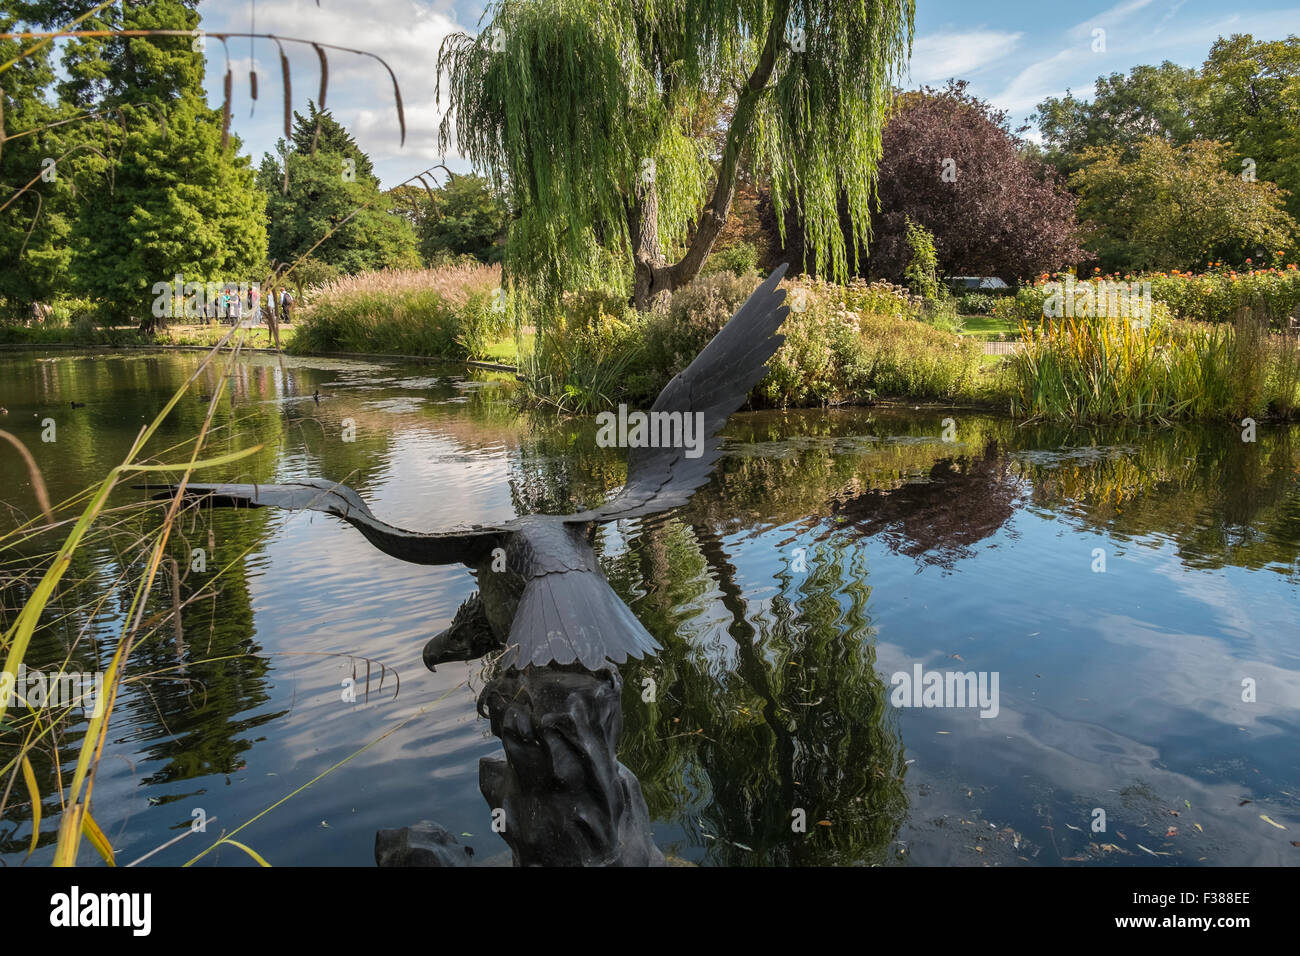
1001, 348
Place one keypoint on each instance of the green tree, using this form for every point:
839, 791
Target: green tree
585, 116
1246, 94
1253, 101
171, 199
319, 131
1166, 101
465, 218
34, 227
331, 188
1176, 207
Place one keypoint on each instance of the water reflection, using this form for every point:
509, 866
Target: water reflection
1120, 690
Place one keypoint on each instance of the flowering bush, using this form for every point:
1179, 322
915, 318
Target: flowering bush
1212, 296
842, 343
1216, 295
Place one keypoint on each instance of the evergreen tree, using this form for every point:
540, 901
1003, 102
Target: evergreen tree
320, 132
34, 254
170, 199
326, 187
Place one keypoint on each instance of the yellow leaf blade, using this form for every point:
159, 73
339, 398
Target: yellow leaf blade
249, 850
34, 792
96, 836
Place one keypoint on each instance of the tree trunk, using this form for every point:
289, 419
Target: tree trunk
653, 276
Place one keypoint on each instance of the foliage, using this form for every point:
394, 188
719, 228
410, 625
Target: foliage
1176, 207
155, 185
995, 212
333, 188
921, 273
852, 344
1246, 94
843, 344
584, 115
740, 258
466, 218
1162, 101
1097, 369
584, 354
34, 229
452, 312
311, 272
320, 132
952, 165
1252, 100
1216, 296
976, 303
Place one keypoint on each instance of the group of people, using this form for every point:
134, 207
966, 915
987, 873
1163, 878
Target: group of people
232, 305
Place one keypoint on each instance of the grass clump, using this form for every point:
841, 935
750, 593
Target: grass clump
1099, 369
454, 311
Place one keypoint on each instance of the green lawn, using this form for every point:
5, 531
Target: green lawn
987, 327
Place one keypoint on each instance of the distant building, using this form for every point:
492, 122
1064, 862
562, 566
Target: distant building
976, 284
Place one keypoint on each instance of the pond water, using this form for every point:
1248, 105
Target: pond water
831, 551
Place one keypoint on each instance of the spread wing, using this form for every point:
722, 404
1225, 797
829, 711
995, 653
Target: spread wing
575, 616
715, 384
457, 546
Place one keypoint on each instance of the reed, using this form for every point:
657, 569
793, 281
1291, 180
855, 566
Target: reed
454, 311
1099, 369
44, 575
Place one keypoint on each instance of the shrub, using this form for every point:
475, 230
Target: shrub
739, 258
976, 303
922, 270
842, 343
450, 312
1215, 296
583, 355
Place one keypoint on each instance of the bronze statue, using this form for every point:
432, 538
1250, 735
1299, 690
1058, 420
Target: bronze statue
546, 604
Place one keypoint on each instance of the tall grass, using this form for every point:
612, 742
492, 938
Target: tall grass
1099, 369
453, 311
38, 726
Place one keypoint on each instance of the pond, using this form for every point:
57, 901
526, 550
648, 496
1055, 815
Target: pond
1126, 598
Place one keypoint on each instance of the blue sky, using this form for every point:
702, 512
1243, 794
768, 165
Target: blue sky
1014, 53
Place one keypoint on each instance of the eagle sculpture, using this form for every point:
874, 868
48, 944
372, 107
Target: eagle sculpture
542, 594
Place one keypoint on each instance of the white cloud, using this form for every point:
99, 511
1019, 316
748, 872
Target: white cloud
938, 56
405, 33
1113, 17
1038, 81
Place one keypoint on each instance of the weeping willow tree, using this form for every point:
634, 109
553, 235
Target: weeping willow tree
600, 122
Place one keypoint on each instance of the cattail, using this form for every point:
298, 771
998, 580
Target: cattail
225, 109
288, 99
